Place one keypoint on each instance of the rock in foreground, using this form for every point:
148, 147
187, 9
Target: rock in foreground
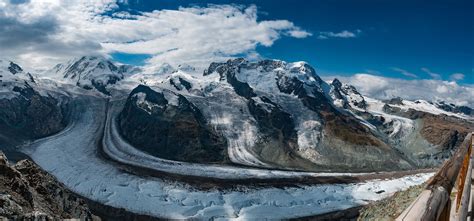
29, 193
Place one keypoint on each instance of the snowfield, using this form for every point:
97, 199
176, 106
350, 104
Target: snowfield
72, 157
425, 106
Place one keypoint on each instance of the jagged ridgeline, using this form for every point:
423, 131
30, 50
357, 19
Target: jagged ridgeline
283, 115
268, 113
27, 112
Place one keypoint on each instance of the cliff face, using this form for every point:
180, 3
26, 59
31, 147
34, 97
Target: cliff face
169, 126
29, 193
30, 115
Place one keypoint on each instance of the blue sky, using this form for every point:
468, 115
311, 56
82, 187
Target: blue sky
402, 39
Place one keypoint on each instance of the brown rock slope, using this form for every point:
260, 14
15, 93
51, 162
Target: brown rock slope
28, 193
444, 131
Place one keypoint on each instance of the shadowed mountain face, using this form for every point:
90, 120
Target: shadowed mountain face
167, 125
29, 116
25, 112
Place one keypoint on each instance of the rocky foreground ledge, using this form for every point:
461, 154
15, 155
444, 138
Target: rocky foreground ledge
29, 193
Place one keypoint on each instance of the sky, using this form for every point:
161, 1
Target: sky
403, 39
403, 42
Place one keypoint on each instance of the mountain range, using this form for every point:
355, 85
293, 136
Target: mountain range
267, 114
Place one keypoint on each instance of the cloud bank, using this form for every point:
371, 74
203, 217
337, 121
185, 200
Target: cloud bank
432, 90
40, 34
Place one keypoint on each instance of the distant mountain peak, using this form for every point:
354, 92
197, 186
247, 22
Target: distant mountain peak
11, 72
92, 72
346, 95
10, 66
336, 83
274, 76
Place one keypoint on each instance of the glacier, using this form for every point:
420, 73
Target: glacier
73, 158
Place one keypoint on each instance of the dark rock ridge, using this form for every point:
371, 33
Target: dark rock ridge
455, 109
179, 83
14, 68
173, 130
29, 193
29, 115
348, 94
277, 131
15, 73
395, 101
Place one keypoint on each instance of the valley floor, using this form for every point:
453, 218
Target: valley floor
73, 157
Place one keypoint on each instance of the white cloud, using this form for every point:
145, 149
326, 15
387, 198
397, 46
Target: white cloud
405, 72
193, 35
299, 33
432, 74
433, 90
342, 34
457, 76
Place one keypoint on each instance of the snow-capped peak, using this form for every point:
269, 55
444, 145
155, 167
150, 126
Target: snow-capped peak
10, 71
91, 72
9, 67
435, 108
86, 66
270, 76
345, 95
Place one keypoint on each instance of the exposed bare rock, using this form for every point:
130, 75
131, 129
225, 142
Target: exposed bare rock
447, 132
390, 208
30, 115
170, 127
29, 193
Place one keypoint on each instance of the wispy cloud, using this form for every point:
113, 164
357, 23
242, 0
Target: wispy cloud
457, 76
299, 33
374, 72
432, 74
405, 72
432, 90
341, 34
60, 30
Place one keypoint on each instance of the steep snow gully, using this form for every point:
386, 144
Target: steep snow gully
74, 157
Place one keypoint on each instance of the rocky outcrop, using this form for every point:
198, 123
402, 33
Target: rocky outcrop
444, 131
392, 207
395, 101
29, 193
167, 125
455, 109
179, 83
347, 95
